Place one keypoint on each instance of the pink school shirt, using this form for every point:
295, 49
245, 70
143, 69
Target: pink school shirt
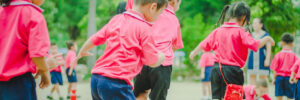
70, 57
58, 68
250, 93
230, 43
167, 35
128, 46
24, 35
283, 62
207, 60
296, 69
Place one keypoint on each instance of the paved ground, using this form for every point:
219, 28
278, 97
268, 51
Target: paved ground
178, 91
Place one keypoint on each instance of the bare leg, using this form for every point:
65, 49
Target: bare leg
279, 98
252, 79
264, 77
53, 88
209, 89
143, 96
204, 89
70, 88
57, 89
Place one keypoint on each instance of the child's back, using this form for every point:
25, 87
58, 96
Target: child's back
127, 36
24, 35
230, 43
283, 62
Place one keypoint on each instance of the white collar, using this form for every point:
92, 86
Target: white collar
138, 17
16, 3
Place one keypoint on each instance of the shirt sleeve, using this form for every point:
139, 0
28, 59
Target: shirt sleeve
203, 60
208, 43
100, 37
72, 58
249, 41
38, 41
275, 63
149, 51
177, 42
295, 66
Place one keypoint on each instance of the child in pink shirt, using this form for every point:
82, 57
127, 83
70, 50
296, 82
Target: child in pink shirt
167, 37
56, 77
281, 66
206, 63
230, 42
255, 92
71, 65
295, 76
24, 44
129, 47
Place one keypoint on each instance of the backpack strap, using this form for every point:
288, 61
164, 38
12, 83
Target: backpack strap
220, 67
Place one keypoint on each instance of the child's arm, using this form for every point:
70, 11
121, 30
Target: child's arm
197, 50
266, 40
202, 72
42, 70
268, 54
274, 77
292, 78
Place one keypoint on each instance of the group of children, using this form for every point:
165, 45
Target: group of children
56, 69
139, 44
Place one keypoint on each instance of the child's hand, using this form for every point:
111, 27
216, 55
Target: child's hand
273, 82
45, 79
192, 55
70, 72
82, 54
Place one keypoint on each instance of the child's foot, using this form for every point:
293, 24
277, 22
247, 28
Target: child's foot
49, 97
68, 97
61, 98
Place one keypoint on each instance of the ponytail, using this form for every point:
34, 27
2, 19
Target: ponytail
223, 15
4, 2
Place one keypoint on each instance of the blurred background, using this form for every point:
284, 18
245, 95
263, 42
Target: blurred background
78, 19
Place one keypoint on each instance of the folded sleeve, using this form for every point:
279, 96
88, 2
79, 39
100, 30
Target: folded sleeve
38, 41
208, 43
177, 42
249, 41
100, 37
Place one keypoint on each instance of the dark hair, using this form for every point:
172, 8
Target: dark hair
262, 83
235, 10
70, 44
121, 7
53, 44
160, 3
4, 2
263, 23
287, 38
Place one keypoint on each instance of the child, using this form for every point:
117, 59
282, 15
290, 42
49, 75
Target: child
295, 76
56, 78
167, 36
70, 71
24, 44
230, 42
281, 66
255, 92
206, 63
129, 46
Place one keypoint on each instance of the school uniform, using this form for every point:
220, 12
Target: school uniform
24, 35
55, 73
129, 46
250, 93
167, 35
70, 57
207, 61
296, 69
282, 64
230, 43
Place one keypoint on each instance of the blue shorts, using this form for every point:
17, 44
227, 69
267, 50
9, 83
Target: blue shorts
104, 88
284, 88
18, 88
297, 94
207, 74
56, 78
73, 77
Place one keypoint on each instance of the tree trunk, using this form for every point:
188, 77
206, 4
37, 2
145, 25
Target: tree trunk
91, 30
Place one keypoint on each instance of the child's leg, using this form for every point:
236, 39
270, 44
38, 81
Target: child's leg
56, 86
52, 90
143, 96
253, 79
209, 89
205, 89
264, 77
279, 98
69, 88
